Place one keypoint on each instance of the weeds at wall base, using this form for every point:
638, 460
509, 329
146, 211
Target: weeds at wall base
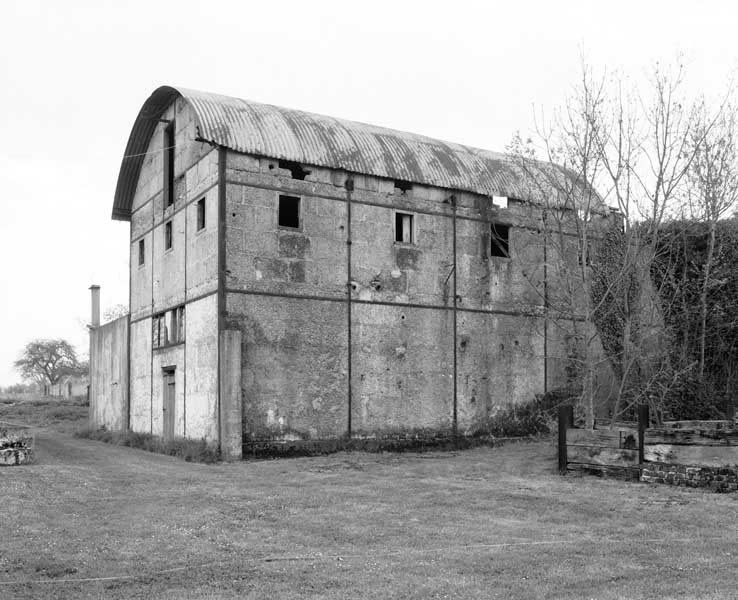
185, 449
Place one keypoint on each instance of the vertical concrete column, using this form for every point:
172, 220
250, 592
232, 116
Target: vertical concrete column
94, 365
231, 429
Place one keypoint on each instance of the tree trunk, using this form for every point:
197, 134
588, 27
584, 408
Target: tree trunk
703, 295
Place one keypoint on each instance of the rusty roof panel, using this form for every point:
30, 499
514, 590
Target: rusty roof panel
271, 131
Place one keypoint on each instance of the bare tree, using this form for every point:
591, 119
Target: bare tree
636, 148
47, 361
713, 187
114, 312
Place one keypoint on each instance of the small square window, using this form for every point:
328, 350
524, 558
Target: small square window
168, 235
201, 214
289, 212
500, 240
141, 252
404, 228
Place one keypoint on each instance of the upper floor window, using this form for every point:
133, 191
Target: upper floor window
201, 214
404, 228
141, 252
289, 211
500, 240
168, 166
168, 235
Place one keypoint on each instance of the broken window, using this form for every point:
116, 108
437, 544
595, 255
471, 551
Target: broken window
296, 169
141, 252
168, 235
500, 240
403, 186
168, 154
169, 327
289, 211
404, 228
201, 214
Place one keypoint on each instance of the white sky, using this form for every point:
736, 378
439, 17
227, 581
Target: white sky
74, 74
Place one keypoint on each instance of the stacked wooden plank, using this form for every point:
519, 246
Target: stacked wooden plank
16, 444
689, 453
612, 452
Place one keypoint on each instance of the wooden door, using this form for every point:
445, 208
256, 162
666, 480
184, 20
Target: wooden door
168, 405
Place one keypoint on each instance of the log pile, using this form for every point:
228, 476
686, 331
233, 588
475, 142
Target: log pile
16, 444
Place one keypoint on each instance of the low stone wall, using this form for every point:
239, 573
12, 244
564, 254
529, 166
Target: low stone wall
718, 479
16, 444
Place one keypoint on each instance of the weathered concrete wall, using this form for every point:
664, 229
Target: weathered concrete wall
184, 275
287, 293
402, 369
201, 369
141, 376
109, 375
231, 404
293, 366
500, 363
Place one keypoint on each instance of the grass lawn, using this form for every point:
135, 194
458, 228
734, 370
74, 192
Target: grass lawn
65, 415
91, 520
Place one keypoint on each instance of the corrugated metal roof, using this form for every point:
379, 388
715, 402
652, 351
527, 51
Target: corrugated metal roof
275, 132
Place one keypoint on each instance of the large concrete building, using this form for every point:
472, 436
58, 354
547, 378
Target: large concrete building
300, 277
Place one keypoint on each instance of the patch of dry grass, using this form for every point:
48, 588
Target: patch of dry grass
483, 523
65, 415
186, 449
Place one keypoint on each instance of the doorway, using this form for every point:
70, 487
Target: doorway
168, 404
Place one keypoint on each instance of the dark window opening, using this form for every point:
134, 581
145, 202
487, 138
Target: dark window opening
168, 235
289, 211
404, 228
168, 151
403, 186
500, 240
141, 252
201, 214
169, 327
296, 169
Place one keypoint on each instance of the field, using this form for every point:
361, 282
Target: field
64, 415
92, 520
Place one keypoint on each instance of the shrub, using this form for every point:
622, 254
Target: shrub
537, 417
183, 448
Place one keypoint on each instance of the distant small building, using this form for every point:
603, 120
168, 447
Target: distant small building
300, 277
68, 386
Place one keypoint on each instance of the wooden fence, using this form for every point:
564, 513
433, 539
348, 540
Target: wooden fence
630, 450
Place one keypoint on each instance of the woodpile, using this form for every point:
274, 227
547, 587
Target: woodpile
16, 444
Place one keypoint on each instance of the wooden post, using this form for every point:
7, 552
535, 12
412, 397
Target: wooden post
642, 426
566, 419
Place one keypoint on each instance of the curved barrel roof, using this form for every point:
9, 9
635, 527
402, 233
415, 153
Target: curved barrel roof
312, 139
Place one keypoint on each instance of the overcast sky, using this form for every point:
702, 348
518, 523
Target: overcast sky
74, 74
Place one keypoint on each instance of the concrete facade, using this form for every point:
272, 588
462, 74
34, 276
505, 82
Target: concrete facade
343, 330
109, 375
